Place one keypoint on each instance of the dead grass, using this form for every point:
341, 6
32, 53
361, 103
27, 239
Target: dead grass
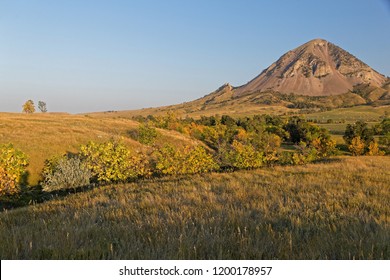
333, 210
41, 136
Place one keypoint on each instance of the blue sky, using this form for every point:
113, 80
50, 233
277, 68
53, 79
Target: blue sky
94, 55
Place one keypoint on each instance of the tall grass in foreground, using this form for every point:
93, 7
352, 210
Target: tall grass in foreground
334, 210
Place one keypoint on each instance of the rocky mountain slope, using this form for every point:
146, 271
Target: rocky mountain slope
317, 68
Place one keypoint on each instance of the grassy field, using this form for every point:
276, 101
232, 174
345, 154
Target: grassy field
41, 136
333, 210
365, 113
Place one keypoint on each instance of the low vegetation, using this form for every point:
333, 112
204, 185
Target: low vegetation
141, 195
12, 169
333, 210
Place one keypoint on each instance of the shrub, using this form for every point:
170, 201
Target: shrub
12, 168
324, 146
243, 156
138, 166
385, 142
169, 161
7, 183
357, 146
147, 134
113, 162
107, 161
359, 129
373, 149
197, 160
65, 173
172, 161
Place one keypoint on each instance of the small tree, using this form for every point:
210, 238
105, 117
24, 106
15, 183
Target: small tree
373, 149
113, 162
12, 168
385, 142
147, 134
357, 146
359, 129
243, 156
29, 107
42, 106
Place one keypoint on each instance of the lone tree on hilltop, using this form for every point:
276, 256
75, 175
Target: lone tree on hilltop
42, 106
28, 107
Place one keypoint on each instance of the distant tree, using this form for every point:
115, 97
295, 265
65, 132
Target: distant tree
42, 106
28, 107
357, 146
359, 129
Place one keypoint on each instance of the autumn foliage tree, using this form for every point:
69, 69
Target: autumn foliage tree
190, 160
357, 146
29, 107
112, 161
12, 168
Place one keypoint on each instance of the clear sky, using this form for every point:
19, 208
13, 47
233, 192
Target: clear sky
95, 55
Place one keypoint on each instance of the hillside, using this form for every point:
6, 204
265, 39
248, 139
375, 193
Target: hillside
333, 210
41, 136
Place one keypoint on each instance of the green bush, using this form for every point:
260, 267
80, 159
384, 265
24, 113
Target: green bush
385, 143
13, 163
359, 129
65, 173
147, 134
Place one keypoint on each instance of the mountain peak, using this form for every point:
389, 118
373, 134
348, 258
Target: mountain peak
317, 41
315, 68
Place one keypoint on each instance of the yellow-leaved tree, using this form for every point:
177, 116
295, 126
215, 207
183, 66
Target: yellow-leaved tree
29, 107
13, 163
191, 160
112, 161
357, 146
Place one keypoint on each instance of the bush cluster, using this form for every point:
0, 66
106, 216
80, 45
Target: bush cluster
191, 160
360, 138
13, 163
65, 173
228, 144
112, 162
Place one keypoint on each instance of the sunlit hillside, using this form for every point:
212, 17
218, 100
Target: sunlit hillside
42, 136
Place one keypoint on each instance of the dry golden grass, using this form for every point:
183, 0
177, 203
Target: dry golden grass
196, 109
334, 210
41, 136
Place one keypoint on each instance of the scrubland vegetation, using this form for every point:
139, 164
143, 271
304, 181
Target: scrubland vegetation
280, 191
332, 210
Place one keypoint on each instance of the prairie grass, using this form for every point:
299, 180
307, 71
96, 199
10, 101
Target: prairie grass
364, 113
331, 210
42, 136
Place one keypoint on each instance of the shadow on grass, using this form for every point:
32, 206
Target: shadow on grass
35, 194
